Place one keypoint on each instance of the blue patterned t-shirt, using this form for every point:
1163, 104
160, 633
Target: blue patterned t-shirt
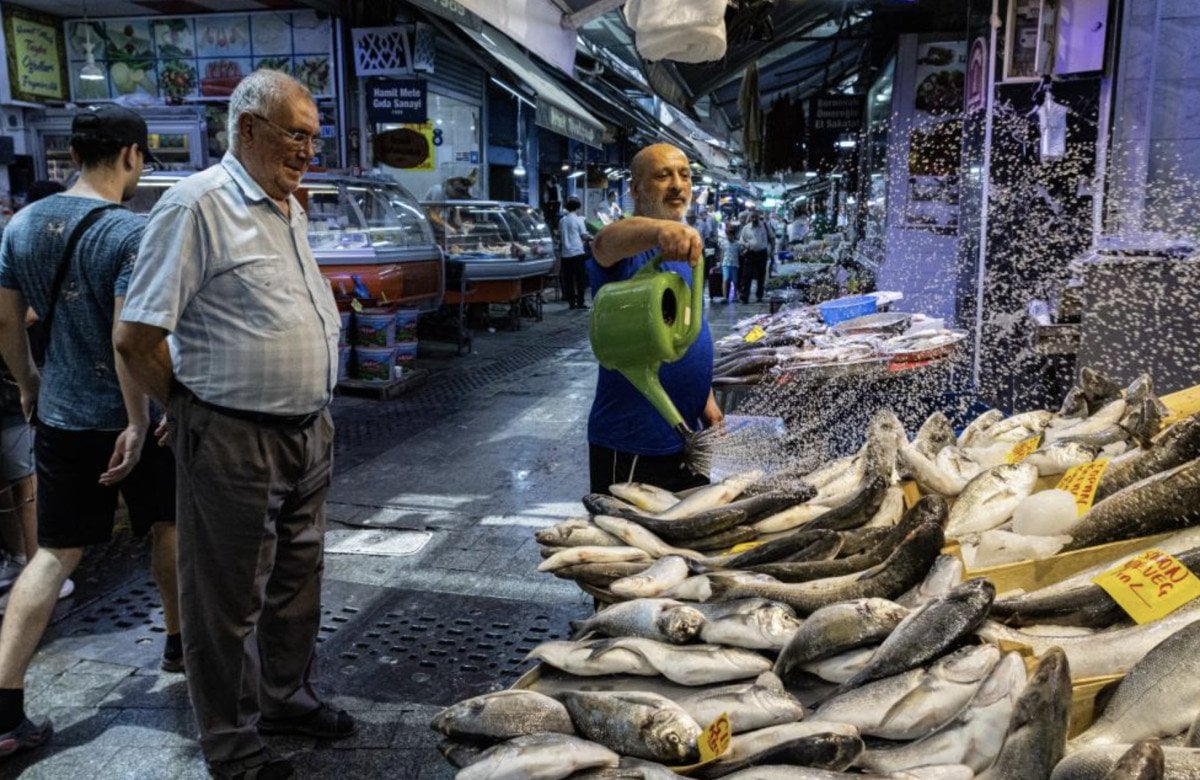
79, 388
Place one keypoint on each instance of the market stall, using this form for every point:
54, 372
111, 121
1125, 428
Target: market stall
833, 618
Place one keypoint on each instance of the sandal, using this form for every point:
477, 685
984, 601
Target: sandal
263, 765
25, 736
323, 723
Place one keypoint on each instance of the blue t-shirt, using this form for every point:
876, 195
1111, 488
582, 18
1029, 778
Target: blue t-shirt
80, 390
622, 419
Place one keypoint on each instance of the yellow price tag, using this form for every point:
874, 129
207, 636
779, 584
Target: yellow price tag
743, 547
1024, 449
714, 739
755, 334
1150, 585
1081, 482
354, 304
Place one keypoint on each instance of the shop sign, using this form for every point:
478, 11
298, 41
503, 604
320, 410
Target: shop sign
836, 113
449, 9
35, 56
410, 147
397, 101
554, 118
976, 80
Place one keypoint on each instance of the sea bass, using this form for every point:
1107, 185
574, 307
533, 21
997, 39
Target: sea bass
974, 737
822, 745
503, 715
989, 499
538, 757
930, 630
712, 496
576, 532
1159, 696
663, 620
915, 703
755, 624
635, 723
750, 705
1159, 503
934, 435
1098, 763
834, 629
1037, 731
659, 578
647, 498
573, 556
1173, 447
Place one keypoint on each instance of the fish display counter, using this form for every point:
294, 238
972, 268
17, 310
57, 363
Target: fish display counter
368, 235
823, 618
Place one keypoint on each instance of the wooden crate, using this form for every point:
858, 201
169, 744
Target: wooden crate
412, 377
1083, 701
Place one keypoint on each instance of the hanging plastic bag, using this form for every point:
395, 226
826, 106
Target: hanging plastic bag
1052, 125
678, 30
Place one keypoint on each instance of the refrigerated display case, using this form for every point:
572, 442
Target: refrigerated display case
369, 236
176, 137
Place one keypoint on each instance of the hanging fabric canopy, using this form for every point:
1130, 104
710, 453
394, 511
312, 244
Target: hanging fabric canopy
751, 119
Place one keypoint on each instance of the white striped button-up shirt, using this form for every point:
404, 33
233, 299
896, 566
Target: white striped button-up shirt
252, 323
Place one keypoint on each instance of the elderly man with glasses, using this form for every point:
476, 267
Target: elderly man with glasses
229, 322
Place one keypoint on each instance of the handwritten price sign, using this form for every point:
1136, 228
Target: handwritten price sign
1024, 449
1150, 585
714, 740
756, 333
1081, 482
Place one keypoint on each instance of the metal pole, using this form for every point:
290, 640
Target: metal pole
984, 194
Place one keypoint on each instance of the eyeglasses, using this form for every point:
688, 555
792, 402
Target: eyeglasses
299, 139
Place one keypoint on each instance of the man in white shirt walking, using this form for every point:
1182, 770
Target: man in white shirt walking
574, 276
756, 243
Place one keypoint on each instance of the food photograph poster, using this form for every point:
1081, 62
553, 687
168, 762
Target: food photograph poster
934, 153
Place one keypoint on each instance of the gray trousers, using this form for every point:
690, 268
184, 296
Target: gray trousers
251, 526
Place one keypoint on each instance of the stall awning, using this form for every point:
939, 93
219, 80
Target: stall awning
556, 110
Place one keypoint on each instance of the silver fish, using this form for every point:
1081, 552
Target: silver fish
1099, 763
576, 532
635, 535
755, 624
1173, 447
1037, 731
840, 668
989, 499
647, 498
927, 473
696, 664
665, 574
837, 628
572, 556
629, 769
915, 703
934, 435
1059, 456
977, 429
945, 574
1019, 426
817, 744
538, 757
593, 658
503, 715
1102, 653
958, 464
974, 737
750, 705
601, 575
712, 496
1098, 389
1159, 697
1143, 761
635, 723
1159, 503
930, 630
663, 620
890, 511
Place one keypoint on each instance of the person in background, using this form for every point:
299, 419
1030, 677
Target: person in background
248, 373
755, 241
628, 439
731, 251
18, 511
615, 211
797, 231
574, 276
92, 424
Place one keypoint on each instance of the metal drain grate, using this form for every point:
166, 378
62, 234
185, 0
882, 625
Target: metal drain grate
137, 605
434, 648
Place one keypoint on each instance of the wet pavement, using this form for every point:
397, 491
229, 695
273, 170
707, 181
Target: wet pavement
431, 590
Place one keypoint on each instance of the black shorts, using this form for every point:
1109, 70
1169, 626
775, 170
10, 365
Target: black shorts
74, 509
669, 472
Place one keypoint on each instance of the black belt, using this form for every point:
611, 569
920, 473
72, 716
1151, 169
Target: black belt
260, 418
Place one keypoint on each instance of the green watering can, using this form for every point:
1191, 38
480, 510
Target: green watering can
649, 319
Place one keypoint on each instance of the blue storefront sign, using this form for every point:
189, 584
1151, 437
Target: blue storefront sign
397, 101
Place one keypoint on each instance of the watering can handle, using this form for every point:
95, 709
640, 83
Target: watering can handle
694, 310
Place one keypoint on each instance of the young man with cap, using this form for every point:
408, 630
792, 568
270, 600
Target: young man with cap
69, 257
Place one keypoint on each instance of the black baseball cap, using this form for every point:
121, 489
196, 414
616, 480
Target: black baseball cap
112, 123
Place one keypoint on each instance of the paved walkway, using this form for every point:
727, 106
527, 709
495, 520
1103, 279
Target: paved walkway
431, 593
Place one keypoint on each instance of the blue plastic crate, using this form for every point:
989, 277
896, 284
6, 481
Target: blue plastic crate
835, 311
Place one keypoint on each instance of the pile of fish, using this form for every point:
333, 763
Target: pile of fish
819, 612
795, 339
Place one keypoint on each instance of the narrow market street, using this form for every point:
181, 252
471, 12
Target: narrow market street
431, 590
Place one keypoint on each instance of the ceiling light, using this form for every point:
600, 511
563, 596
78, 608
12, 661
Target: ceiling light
519, 170
847, 143
566, 167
